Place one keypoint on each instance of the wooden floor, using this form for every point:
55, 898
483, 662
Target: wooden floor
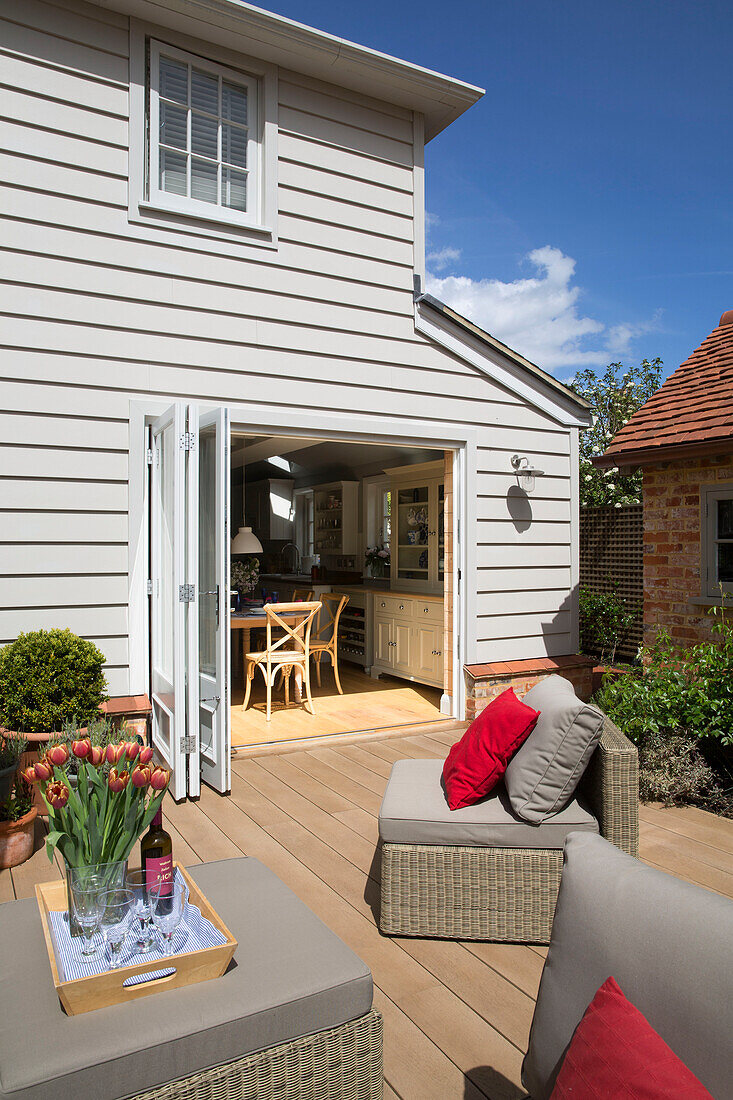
367, 704
456, 1015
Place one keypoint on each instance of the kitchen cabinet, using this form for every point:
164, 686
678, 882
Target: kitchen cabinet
408, 638
336, 522
418, 528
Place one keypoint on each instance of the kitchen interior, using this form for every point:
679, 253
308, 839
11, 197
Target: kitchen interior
306, 511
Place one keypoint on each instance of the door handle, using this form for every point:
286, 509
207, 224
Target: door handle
214, 593
212, 699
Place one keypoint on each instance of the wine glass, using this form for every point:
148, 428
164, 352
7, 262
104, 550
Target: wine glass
117, 906
86, 899
142, 908
169, 900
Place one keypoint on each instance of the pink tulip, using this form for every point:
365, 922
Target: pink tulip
141, 776
160, 779
58, 755
96, 756
29, 774
118, 780
43, 770
146, 755
115, 753
131, 749
81, 748
57, 794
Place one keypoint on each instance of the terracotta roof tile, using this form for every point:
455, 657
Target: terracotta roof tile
694, 405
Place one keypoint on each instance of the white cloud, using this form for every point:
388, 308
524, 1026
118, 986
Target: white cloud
442, 257
431, 220
538, 316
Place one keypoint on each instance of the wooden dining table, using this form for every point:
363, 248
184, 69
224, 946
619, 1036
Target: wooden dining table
251, 621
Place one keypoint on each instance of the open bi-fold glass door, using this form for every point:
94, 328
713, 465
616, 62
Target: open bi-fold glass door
190, 597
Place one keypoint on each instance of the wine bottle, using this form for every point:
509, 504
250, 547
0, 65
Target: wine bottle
156, 855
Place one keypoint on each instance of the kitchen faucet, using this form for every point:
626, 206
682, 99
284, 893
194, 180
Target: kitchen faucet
296, 565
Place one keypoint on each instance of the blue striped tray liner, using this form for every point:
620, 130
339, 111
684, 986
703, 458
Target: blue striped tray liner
194, 933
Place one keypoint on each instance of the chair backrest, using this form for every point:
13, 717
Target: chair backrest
298, 631
303, 595
328, 624
667, 944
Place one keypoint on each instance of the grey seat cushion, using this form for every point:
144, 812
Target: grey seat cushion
669, 946
292, 976
414, 811
542, 776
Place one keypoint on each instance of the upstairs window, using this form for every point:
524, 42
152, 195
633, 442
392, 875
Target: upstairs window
718, 540
203, 156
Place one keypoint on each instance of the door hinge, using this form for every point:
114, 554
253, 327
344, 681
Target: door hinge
149, 456
188, 744
186, 593
187, 441
149, 587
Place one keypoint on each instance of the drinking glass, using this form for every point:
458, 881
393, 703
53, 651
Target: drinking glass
86, 898
142, 908
169, 900
117, 908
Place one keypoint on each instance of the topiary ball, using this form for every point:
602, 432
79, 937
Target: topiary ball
48, 677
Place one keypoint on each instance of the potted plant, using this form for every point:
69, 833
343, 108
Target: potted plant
11, 751
377, 559
244, 576
47, 678
96, 822
17, 825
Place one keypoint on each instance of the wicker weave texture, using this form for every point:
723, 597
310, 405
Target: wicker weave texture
469, 893
505, 894
341, 1063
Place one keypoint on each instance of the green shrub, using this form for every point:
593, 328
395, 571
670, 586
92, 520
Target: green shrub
672, 770
605, 620
48, 677
688, 690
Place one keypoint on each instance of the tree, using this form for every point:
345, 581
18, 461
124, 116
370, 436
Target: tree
614, 397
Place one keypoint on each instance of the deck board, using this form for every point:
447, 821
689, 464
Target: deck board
456, 1015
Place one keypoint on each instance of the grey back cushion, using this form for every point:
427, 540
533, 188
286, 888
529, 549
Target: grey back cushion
668, 944
543, 775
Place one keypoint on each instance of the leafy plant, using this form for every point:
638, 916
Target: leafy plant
614, 397
19, 802
605, 620
48, 677
687, 690
11, 750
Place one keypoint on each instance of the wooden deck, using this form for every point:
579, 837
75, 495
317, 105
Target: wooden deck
457, 1015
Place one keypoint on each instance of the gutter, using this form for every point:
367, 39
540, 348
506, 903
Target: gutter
647, 456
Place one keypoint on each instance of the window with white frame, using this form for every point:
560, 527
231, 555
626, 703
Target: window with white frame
718, 540
386, 532
305, 522
204, 147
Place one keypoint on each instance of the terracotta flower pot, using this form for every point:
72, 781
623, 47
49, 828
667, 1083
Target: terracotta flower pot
16, 839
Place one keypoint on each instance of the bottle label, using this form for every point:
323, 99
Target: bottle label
159, 869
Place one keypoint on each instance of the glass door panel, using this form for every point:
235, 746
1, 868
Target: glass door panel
441, 532
410, 528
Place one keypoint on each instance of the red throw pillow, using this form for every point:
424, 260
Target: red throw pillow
477, 762
615, 1051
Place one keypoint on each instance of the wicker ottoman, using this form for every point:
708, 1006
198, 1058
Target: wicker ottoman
292, 1017
482, 873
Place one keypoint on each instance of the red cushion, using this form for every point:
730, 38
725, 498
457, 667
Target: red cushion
616, 1052
477, 762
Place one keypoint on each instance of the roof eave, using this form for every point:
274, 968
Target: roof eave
295, 46
647, 456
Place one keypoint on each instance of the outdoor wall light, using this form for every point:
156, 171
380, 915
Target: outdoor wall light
526, 474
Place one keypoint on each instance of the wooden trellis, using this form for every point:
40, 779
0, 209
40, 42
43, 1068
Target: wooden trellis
612, 558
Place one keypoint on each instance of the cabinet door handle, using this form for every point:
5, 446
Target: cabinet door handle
431, 532
426, 611
383, 604
402, 607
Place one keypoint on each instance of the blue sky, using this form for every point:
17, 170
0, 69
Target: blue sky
581, 211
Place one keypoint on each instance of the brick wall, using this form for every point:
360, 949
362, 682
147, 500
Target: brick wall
672, 546
485, 682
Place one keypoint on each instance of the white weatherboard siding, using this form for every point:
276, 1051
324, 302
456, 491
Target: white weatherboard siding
97, 311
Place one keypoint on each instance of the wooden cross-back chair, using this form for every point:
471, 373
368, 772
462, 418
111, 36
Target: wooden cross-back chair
290, 646
326, 640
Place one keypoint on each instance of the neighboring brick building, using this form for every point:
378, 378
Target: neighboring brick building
683, 440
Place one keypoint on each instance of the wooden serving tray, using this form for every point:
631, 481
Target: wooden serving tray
100, 990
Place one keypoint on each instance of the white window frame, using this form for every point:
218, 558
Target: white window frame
185, 204
711, 495
167, 213
305, 534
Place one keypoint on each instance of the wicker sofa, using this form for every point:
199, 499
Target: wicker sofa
505, 893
